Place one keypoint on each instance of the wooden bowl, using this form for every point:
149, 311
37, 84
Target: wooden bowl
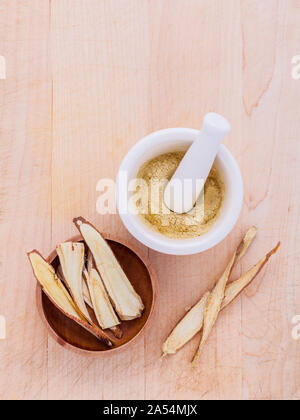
72, 336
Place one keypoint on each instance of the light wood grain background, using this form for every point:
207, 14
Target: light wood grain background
86, 79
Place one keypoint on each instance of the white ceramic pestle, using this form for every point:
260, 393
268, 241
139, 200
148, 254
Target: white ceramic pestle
183, 190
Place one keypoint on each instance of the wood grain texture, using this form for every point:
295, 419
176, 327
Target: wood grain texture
86, 79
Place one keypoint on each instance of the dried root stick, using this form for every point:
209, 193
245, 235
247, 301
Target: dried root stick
247, 241
213, 306
216, 298
190, 325
185, 330
232, 290
192, 322
236, 287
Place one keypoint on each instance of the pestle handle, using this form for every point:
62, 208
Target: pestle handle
183, 190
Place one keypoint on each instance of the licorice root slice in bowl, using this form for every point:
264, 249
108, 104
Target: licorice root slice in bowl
72, 336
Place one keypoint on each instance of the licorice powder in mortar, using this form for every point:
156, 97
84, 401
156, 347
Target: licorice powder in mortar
152, 179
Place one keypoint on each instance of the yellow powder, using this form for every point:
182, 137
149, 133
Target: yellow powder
155, 175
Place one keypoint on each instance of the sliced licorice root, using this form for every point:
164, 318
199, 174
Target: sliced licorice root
71, 257
127, 303
59, 296
102, 306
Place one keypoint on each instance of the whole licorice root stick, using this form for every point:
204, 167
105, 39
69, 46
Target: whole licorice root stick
236, 287
190, 325
231, 291
185, 330
213, 306
193, 320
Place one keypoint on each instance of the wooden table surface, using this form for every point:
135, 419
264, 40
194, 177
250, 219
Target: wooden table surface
85, 80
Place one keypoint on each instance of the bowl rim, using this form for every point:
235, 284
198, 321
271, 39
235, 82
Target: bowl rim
114, 350
163, 244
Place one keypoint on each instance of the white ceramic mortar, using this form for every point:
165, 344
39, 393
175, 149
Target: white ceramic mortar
171, 140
